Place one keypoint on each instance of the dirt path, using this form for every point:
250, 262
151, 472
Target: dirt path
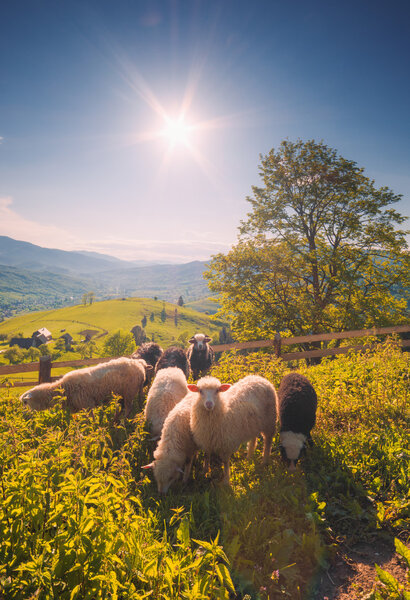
352, 574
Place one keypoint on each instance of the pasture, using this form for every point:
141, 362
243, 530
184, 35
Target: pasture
79, 519
106, 317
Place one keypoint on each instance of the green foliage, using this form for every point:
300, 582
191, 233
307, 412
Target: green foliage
119, 343
319, 250
163, 314
14, 355
387, 586
79, 519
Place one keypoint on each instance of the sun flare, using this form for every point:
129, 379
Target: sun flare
177, 131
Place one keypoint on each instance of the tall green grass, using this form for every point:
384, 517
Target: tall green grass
78, 518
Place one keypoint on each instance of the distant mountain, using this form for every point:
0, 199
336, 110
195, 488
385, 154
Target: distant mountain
16, 253
33, 277
168, 282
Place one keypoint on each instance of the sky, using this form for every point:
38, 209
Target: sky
94, 153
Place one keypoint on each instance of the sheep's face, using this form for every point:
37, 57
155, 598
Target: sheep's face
37, 399
166, 473
209, 389
200, 341
291, 446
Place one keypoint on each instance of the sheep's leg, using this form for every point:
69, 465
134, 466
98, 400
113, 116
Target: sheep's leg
187, 468
251, 447
267, 447
227, 471
140, 397
207, 462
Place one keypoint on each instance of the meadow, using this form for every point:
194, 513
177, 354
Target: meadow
79, 519
104, 318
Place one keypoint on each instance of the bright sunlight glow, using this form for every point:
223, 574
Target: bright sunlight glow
177, 131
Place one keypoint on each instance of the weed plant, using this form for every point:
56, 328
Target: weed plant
78, 518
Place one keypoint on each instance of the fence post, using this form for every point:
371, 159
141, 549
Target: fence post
44, 369
277, 344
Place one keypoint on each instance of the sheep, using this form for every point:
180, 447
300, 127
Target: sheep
91, 386
297, 402
168, 388
174, 357
200, 354
223, 417
176, 449
151, 353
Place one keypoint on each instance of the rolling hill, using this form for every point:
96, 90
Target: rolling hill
111, 315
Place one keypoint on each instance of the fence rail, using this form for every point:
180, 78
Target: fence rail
44, 366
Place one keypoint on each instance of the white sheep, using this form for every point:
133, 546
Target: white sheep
92, 386
168, 388
223, 416
176, 448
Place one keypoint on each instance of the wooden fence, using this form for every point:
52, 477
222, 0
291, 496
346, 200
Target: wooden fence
44, 366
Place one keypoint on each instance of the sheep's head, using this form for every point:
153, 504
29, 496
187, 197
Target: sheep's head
291, 446
199, 340
165, 473
148, 369
38, 398
209, 389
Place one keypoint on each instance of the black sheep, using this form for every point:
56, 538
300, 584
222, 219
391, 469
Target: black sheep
297, 402
174, 357
151, 353
200, 354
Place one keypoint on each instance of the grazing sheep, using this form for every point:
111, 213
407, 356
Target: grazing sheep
297, 402
200, 354
174, 357
90, 387
176, 449
151, 353
221, 422
168, 388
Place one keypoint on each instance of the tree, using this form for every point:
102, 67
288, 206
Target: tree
84, 299
33, 354
144, 321
119, 343
14, 355
163, 314
152, 317
176, 317
180, 301
91, 297
319, 250
139, 335
86, 349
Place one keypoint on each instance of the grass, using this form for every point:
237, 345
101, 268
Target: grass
79, 519
106, 317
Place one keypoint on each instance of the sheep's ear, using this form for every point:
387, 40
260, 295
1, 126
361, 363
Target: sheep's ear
191, 341
224, 387
180, 470
148, 368
192, 387
208, 339
150, 466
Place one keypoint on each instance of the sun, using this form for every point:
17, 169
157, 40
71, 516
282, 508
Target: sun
177, 131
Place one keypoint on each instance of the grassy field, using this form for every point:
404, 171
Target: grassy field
108, 316
79, 519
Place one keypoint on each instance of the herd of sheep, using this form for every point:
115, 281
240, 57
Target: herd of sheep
210, 416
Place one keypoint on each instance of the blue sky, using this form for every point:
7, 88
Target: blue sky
85, 87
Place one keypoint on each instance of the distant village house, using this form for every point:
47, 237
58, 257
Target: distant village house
41, 336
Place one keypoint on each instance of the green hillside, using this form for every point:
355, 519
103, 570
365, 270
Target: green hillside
111, 315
